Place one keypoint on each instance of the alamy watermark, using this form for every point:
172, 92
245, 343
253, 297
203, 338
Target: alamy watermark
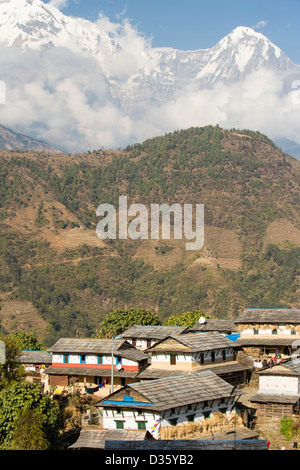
137, 222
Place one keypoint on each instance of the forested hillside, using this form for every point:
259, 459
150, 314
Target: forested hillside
54, 266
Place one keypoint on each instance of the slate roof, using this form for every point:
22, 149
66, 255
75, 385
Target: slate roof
88, 371
152, 332
96, 438
98, 346
280, 315
221, 325
265, 340
219, 369
235, 442
197, 342
282, 398
35, 357
177, 391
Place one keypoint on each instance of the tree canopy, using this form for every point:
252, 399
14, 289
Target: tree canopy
188, 319
13, 403
27, 341
119, 320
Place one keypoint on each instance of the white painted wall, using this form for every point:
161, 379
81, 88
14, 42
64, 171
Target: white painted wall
189, 358
282, 330
142, 343
155, 421
279, 384
90, 360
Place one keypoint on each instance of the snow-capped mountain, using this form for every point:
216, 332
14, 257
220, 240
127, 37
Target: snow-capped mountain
32, 24
114, 75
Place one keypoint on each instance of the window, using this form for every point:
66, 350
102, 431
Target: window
224, 355
173, 421
118, 360
202, 358
255, 331
191, 418
173, 360
274, 332
213, 356
119, 424
141, 425
82, 359
100, 360
66, 358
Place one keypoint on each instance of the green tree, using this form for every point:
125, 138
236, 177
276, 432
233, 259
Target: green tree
12, 371
27, 341
188, 319
28, 433
24, 395
119, 320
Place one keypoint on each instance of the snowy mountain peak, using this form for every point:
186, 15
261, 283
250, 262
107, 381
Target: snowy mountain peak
243, 34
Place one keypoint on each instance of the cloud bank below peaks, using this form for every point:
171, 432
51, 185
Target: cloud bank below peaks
79, 101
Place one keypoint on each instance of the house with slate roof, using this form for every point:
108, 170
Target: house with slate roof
278, 393
35, 364
168, 402
265, 333
144, 336
187, 353
90, 361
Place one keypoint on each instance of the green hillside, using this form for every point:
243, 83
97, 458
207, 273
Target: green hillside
52, 259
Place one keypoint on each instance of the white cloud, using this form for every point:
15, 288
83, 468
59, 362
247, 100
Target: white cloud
260, 24
59, 3
70, 100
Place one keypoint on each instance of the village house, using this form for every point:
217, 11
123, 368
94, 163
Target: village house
144, 336
35, 364
196, 403
278, 394
194, 352
268, 333
88, 362
35, 361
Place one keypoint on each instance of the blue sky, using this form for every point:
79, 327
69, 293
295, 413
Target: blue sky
197, 24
